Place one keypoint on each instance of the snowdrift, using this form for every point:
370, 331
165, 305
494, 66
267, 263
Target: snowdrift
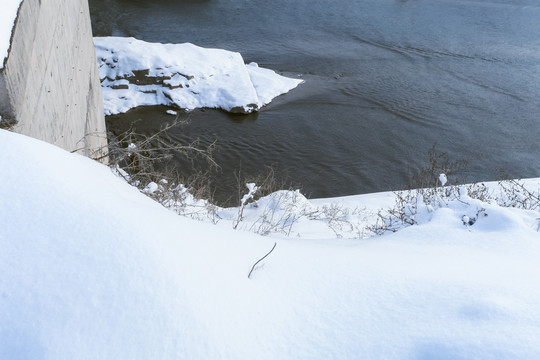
93, 269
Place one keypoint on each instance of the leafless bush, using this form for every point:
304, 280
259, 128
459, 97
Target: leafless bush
268, 208
438, 163
342, 220
145, 157
7, 123
146, 162
277, 203
246, 199
268, 181
513, 193
414, 204
280, 212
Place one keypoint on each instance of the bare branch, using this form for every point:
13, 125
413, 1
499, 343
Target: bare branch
261, 259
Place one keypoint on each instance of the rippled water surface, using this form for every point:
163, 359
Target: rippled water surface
384, 81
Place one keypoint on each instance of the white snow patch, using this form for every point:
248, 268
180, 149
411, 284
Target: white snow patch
135, 73
8, 15
443, 179
268, 84
151, 188
93, 269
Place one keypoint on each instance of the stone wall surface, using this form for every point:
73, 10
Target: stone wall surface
51, 76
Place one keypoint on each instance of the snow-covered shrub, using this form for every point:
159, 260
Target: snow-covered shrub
430, 190
439, 168
270, 205
274, 213
413, 207
265, 208
252, 189
343, 221
289, 213
144, 162
279, 211
514, 193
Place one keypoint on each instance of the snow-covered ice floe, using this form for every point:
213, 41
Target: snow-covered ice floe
135, 73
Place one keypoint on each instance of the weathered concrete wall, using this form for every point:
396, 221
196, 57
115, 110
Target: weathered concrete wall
51, 76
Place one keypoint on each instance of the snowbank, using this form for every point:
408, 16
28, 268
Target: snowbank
135, 73
94, 269
8, 15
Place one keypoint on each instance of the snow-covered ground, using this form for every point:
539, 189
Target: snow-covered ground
7, 20
135, 73
93, 269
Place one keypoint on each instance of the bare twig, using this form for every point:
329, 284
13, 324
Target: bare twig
261, 259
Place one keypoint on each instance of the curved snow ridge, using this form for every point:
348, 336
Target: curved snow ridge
136, 73
93, 269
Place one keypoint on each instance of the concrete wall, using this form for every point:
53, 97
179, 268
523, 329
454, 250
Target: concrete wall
51, 76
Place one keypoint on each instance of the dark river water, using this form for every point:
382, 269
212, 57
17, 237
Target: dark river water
384, 81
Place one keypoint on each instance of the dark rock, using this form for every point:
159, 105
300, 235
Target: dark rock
240, 109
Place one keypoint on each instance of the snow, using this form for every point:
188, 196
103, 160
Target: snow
93, 269
443, 179
8, 16
136, 73
252, 188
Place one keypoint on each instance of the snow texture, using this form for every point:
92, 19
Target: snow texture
135, 73
8, 15
93, 269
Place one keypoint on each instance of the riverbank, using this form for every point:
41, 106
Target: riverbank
131, 279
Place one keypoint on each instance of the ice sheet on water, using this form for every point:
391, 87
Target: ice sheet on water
135, 73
